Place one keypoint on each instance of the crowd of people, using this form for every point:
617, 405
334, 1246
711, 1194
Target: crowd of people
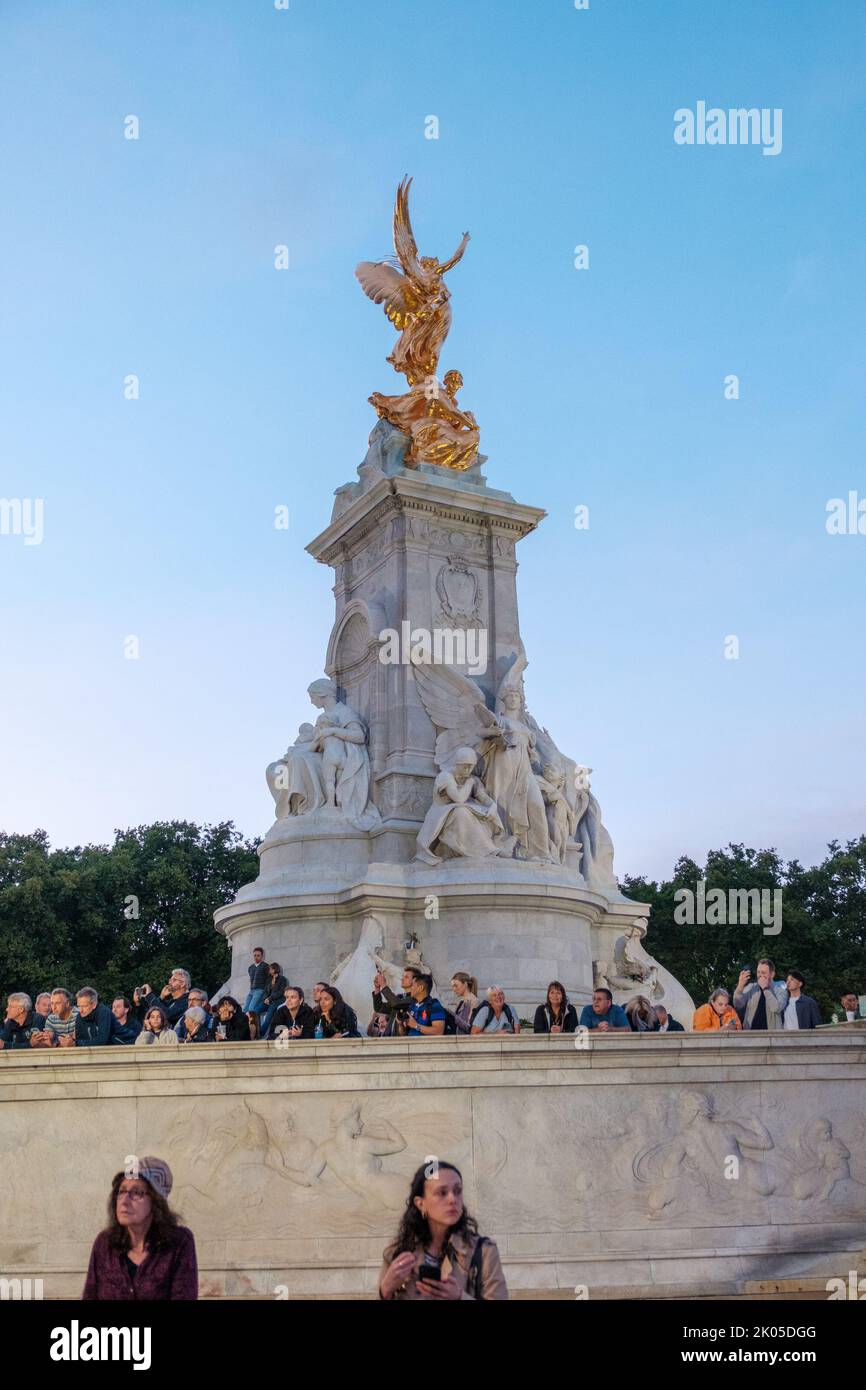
278, 1010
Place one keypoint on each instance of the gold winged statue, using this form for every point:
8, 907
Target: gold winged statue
417, 303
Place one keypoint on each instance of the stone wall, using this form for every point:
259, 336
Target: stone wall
685, 1164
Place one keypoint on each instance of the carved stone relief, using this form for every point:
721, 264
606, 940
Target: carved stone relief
459, 595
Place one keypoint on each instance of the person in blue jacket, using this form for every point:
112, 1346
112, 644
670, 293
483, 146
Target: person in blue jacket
21, 1021
802, 1010
95, 1025
126, 1026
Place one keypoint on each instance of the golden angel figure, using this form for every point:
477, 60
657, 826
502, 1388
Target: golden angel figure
416, 302
440, 431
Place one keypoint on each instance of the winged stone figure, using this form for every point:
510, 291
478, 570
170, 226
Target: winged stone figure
416, 302
501, 738
457, 709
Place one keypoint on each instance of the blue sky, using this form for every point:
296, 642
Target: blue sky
602, 387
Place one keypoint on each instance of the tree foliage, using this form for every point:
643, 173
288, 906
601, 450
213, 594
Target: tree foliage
823, 931
63, 912
117, 916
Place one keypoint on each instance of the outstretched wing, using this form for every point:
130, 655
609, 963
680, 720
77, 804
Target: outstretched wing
458, 255
456, 707
385, 285
513, 678
404, 238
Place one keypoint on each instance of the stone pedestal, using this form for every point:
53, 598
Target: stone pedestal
606, 1166
438, 554
520, 931
426, 551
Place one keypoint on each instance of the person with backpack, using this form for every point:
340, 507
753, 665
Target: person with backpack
495, 1016
426, 1015
437, 1253
465, 989
556, 1015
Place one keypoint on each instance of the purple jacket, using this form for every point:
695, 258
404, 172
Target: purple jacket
171, 1273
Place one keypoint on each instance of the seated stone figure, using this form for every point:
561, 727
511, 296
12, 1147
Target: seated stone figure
464, 817
561, 818
295, 780
328, 765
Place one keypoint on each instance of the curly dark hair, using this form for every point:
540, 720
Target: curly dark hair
414, 1230
164, 1221
340, 1019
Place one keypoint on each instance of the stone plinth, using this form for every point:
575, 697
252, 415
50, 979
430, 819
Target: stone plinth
531, 925
628, 1143
431, 551
437, 555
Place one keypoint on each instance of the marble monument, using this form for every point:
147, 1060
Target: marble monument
426, 793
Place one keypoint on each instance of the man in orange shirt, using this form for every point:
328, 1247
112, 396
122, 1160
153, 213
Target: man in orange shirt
718, 1014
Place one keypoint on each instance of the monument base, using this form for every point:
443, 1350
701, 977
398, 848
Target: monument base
680, 1165
531, 924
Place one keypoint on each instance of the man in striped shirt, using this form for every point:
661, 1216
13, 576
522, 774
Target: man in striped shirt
60, 1023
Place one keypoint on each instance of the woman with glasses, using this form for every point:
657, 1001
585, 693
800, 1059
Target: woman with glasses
144, 1254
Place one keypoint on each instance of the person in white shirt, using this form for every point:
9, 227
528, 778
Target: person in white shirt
667, 1024
851, 1006
802, 1010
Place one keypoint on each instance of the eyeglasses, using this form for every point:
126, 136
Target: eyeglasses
138, 1193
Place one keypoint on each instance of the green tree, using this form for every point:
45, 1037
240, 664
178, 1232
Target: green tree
115, 916
823, 921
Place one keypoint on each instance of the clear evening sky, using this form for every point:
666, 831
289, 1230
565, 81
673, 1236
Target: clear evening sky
602, 387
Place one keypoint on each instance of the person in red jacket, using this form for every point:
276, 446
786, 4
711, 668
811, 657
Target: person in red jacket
144, 1253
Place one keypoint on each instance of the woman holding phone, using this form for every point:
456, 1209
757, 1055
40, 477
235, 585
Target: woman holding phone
438, 1253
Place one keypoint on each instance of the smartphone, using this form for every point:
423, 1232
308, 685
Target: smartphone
429, 1270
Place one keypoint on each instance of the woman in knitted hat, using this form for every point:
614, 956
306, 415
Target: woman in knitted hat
143, 1253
